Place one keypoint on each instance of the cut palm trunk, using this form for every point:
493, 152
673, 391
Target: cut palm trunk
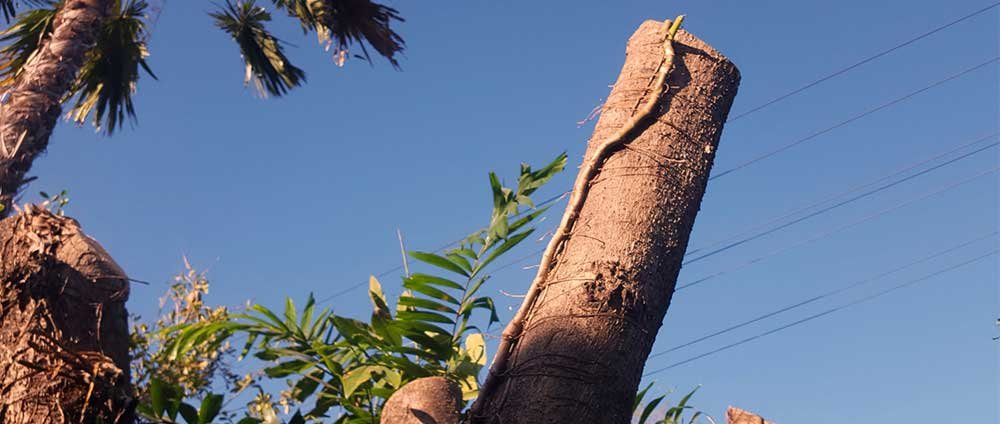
63, 325
30, 108
738, 416
575, 351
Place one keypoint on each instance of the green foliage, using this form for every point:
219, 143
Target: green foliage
203, 364
671, 415
340, 369
55, 204
21, 40
263, 56
339, 23
9, 7
106, 81
105, 84
347, 368
166, 404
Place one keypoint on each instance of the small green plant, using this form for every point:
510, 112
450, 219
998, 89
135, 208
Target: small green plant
55, 204
339, 369
345, 369
672, 415
157, 377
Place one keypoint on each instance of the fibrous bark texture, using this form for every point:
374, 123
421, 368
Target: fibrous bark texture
63, 325
430, 400
736, 415
32, 104
587, 336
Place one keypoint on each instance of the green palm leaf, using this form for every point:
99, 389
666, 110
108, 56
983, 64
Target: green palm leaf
266, 64
21, 40
341, 23
9, 7
105, 84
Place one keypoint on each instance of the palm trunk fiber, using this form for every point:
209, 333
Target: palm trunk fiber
63, 325
33, 103
586, 338
738, 416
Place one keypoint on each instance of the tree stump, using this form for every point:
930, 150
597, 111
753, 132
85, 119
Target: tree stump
63, 325
430, 400
586, 337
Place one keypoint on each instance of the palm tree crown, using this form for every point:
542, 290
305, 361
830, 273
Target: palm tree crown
105, 84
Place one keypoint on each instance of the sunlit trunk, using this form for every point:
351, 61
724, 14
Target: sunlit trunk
63, 323
600, 305
31, 107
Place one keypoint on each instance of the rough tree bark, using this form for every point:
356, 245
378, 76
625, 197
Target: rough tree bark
736, 415
587, 336
63, 325
32, 105
428, 400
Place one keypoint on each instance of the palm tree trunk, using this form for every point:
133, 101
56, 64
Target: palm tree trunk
581, 349
63, 325
32, 105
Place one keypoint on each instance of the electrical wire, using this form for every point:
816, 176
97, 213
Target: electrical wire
847, 121
826, 294
779, 98
866, 60
853, 189
824, 313
840, 228
836, 205
535, 253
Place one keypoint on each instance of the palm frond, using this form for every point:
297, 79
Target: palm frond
341, 23
108, 78
9, 7
266, 63
22, 39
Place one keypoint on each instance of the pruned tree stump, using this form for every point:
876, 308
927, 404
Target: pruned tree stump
585, 338
429, 400
63, 325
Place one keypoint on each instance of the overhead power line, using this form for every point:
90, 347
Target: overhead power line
857, 64
826, 294
836, 205
828, 199
779, 98
847, 121
840, 228
824, 313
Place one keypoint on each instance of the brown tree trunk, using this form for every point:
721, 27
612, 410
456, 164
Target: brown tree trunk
585, 339
63, 325
33, 103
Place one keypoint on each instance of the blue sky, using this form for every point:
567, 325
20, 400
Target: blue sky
283, 197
